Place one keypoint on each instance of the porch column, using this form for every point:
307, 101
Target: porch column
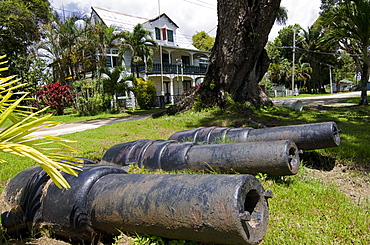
169, 57
171, 90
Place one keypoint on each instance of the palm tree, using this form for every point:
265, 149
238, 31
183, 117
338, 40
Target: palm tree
316, 51
277, 73
114, 82
350, 24
142, 46
76, 46
282, 15
16, 139
303, 73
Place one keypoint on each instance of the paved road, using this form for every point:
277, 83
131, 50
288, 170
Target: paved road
326, 100
68, 128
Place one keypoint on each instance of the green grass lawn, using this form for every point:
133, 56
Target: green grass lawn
305, 209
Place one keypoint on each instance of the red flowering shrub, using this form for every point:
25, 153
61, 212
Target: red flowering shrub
57, 96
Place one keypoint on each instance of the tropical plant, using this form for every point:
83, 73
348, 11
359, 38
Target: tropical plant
90, 99
142, 46
56, 96
145, 93
19, 29
282, 15
278, 73
114, 82
303, 74
350, 25
75, 45
17, 139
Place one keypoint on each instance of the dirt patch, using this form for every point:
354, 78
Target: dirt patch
353, 182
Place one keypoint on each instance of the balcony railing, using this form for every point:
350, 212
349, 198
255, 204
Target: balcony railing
176, 69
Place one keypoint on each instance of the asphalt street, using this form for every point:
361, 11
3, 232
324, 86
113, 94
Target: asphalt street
68, 128
325, 100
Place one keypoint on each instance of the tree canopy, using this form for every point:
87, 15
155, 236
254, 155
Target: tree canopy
141, 45
203, 41
20, 23
349, 25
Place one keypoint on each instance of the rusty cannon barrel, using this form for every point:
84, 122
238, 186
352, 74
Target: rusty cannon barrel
306, 136
104, 200
275, 158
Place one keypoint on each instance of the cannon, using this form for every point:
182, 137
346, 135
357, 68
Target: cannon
305, 136
275, 158
104, 200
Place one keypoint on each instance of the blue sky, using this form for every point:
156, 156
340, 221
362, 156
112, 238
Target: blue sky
190, 15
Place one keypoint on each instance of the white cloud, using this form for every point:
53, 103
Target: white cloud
301, 12
190, 15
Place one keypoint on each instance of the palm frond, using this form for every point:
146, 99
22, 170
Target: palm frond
16, 139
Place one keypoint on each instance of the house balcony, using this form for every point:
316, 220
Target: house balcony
176, 69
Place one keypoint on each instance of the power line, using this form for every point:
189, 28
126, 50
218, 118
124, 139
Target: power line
210, 4
307, 50
202, 4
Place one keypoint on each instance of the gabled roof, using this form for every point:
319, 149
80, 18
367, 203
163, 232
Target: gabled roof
165, 16
127, 22
119, 20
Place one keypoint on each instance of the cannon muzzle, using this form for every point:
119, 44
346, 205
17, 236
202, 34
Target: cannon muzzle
275, 158
222, 209
306, 136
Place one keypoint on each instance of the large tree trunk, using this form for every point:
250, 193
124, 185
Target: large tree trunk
238, 60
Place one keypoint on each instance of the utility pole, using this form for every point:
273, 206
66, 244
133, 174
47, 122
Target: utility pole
331, 80
294, 31
178, 62
161, 97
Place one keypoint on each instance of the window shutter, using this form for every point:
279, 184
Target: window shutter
164, 34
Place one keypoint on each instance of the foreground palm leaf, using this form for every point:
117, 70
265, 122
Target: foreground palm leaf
47, 151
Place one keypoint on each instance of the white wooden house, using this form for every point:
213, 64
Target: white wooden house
178, 65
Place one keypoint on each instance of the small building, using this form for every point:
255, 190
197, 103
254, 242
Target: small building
342, 85
178, 65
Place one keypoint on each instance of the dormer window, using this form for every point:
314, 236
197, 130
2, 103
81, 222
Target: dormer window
157, 33
170, 35
164, 34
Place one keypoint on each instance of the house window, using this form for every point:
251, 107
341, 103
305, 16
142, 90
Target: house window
109, 61
170, 35
115, 61
157, 33
164, 34
112, 61
185, 60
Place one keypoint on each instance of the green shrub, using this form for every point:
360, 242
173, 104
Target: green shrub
145, 93
93, 105
90, 99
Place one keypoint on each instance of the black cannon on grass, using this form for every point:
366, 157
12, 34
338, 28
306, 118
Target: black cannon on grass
273, 151
104, 200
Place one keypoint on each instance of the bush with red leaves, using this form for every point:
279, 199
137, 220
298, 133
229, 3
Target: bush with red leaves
57, 96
